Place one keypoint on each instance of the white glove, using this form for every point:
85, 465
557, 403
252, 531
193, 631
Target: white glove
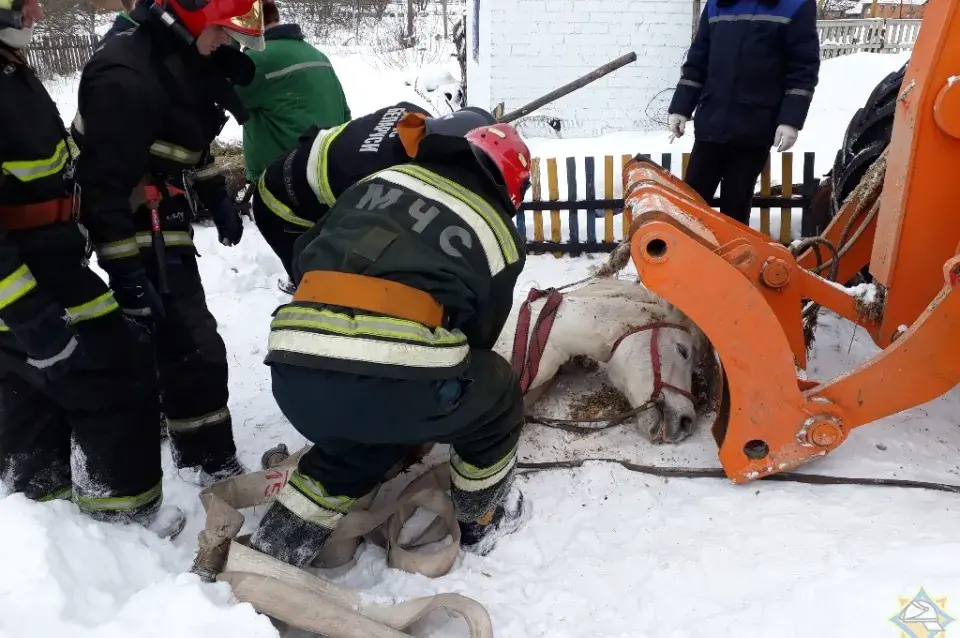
785, 138
676, 123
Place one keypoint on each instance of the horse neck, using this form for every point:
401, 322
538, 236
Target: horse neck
590, 326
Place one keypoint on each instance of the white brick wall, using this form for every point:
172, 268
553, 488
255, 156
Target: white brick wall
530, 47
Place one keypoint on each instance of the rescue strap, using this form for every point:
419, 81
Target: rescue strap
307, 602
37, 215
528, 349
362, 292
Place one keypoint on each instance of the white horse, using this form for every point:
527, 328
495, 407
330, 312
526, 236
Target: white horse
648, 348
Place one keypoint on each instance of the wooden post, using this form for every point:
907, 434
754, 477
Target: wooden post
553, 194
608, 194
535, 187
786, 215
764, 192
443, 8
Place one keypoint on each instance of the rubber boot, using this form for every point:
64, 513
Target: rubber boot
482, 535
289, 538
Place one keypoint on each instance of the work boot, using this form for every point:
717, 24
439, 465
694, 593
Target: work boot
207, 475
289, 538
482, 535
167, 522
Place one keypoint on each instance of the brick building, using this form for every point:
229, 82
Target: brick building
517, 50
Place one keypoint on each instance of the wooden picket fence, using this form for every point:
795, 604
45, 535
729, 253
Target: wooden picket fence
550, 237
53, 55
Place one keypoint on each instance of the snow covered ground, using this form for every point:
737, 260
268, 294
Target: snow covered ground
608, 553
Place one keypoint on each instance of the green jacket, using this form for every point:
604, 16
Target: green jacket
294, 88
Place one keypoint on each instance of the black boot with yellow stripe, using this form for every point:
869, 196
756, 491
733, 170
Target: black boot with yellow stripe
301, 520
487, 505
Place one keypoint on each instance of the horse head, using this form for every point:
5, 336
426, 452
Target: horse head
651, 350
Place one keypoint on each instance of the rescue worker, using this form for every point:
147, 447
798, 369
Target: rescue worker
70, 367
388, 341
298, 188
147, 114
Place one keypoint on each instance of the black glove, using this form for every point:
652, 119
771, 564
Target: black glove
51, 344
229, 224
137, 298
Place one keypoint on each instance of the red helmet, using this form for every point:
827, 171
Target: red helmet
242, 19
502, 144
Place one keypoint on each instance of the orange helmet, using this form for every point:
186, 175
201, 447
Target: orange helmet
242, 19
509, 153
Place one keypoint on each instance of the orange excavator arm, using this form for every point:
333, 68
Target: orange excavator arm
746, 292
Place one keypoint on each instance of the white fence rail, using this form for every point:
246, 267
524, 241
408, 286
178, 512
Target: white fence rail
870, 35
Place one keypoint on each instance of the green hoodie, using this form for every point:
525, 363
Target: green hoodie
294, 88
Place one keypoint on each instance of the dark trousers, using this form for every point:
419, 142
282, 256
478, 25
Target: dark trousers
107, 407
279, 234
191, 365
362, 426
734, 167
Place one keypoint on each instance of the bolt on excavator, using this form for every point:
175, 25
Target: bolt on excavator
900, 222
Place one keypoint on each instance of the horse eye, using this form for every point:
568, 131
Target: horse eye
682, 349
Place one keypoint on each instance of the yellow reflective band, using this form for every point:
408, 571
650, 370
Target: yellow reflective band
277, 207
294, 316
471, 478
305, 509
118, 503
98, 307
30, 170
317, 165
477, 203
62, 494
316, 492
144, 239
171, 151
195, 423
15, 285
206, 173
117, 249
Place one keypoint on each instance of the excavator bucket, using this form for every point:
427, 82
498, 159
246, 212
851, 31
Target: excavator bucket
747, 292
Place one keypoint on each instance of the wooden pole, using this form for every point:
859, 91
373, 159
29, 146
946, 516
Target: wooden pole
443, 6
570, 87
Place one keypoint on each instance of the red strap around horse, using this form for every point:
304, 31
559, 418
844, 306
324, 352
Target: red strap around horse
526, 361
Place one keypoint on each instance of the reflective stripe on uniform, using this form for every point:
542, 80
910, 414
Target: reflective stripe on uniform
695, 85
144, 239
296, 67
206, 173
317, 165
309, 505
118, 503
195, 423
30, 170
98, 307
141, 241
382, 340
800, 92
471, 478
751, 17
171, 151
64, 493
15, 285
160, 148
117, 249
487, 224
278, 208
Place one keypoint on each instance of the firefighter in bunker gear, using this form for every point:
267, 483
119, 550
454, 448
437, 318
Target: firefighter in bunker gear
65, 349
299, 187
388, 341
146, 116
